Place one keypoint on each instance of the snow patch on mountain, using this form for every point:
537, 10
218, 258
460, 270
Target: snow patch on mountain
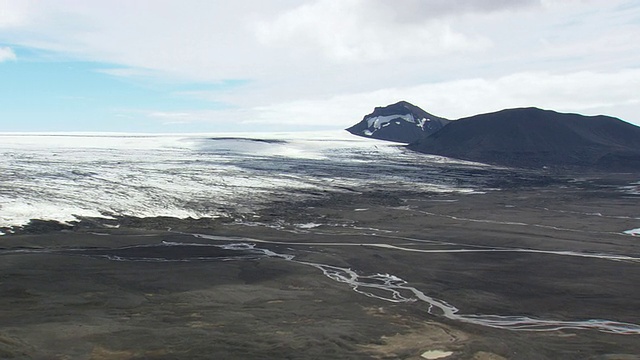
378, 122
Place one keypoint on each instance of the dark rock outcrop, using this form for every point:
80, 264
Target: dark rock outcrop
400, 122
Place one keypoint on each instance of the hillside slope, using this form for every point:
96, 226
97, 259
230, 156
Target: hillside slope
531, 138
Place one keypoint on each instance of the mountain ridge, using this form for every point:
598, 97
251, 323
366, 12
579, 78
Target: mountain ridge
530, 137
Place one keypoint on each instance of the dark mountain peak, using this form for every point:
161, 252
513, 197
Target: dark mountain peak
401, 108
400, 122
398, 108
528, 109
533, 137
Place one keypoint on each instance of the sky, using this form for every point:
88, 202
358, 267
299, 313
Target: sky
160, 66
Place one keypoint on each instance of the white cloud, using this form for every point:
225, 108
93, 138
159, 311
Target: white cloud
189, 40
173, 117
420, 10
584, 92
13, 13
213, 117
356, 31
7, 54
209, 41
333, 61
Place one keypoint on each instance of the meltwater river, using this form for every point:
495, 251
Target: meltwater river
65, 177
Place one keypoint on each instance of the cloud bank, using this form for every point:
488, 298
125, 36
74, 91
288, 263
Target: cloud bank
364, 31
332, 61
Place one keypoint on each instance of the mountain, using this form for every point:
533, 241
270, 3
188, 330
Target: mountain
400, 122
534, 138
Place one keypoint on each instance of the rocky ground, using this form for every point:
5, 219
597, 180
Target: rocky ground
83, 293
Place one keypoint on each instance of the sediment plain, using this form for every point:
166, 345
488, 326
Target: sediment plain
534, 270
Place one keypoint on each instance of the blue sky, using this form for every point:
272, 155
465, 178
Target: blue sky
283, 65
43, 93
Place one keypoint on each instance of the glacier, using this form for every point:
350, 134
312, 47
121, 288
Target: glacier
66, 176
